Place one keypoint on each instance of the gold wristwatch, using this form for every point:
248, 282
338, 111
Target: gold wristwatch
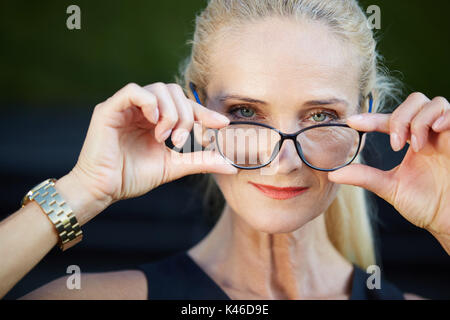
57, 210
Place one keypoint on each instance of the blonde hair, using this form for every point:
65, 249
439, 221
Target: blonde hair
348, 217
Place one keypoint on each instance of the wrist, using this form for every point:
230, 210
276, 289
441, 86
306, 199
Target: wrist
442, 234
444, 240
83, 203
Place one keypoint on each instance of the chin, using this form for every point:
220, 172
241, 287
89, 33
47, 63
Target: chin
274, 220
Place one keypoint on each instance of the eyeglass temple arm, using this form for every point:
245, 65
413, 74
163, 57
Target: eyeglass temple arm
194, 92
370, 96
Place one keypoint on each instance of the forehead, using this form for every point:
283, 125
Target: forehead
276, 55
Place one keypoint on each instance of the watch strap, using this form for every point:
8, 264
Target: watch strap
59, 212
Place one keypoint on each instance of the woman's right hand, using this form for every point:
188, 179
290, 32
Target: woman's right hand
124, 154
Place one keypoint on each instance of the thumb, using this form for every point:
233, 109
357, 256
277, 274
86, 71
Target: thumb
372, 179
210, 161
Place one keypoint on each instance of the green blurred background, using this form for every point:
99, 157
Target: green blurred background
43, 64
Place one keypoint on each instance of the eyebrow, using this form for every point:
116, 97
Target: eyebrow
326, 102
321, 102
223, 98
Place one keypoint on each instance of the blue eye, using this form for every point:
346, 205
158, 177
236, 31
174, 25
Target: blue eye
243, 112
319, 117
246, 112
322, 116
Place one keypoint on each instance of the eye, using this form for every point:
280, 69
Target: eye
243, 112
322, 116
319, 117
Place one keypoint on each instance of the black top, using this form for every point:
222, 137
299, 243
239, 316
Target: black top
178, 277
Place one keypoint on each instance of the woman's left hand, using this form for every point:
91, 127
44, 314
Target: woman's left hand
419, 187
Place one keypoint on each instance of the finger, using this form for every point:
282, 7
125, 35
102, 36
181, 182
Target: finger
210, 161
372, 179
207, 117
132, 95
423, 121
370, 122
167, 110
401, 119
443, 123
185, 115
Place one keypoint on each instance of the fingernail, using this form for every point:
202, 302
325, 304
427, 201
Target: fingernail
156, 115
438, 124
395, 142
415, 143
179, 137
220, 117
165, 135
356, 117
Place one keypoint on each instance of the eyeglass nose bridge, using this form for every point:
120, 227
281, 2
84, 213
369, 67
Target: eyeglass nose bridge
289, 136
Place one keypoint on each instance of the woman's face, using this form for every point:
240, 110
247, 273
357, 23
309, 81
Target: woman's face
289, 75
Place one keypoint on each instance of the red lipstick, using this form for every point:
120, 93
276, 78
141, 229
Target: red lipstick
277, 192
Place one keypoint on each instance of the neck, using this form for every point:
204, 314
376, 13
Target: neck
248, 263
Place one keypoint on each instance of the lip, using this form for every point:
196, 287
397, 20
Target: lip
277, 192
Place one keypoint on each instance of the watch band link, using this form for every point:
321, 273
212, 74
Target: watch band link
59, 213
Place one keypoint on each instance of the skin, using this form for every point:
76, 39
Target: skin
260, 248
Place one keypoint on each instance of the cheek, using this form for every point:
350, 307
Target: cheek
239, 194
229, 185
326, 190
223, 181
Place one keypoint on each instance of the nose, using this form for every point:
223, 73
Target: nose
287, 159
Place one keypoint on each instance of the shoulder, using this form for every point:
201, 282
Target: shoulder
413, 296
115, 285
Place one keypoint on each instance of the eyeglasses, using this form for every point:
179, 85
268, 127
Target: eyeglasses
251, 145
324, 147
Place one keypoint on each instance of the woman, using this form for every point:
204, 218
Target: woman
291, 232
